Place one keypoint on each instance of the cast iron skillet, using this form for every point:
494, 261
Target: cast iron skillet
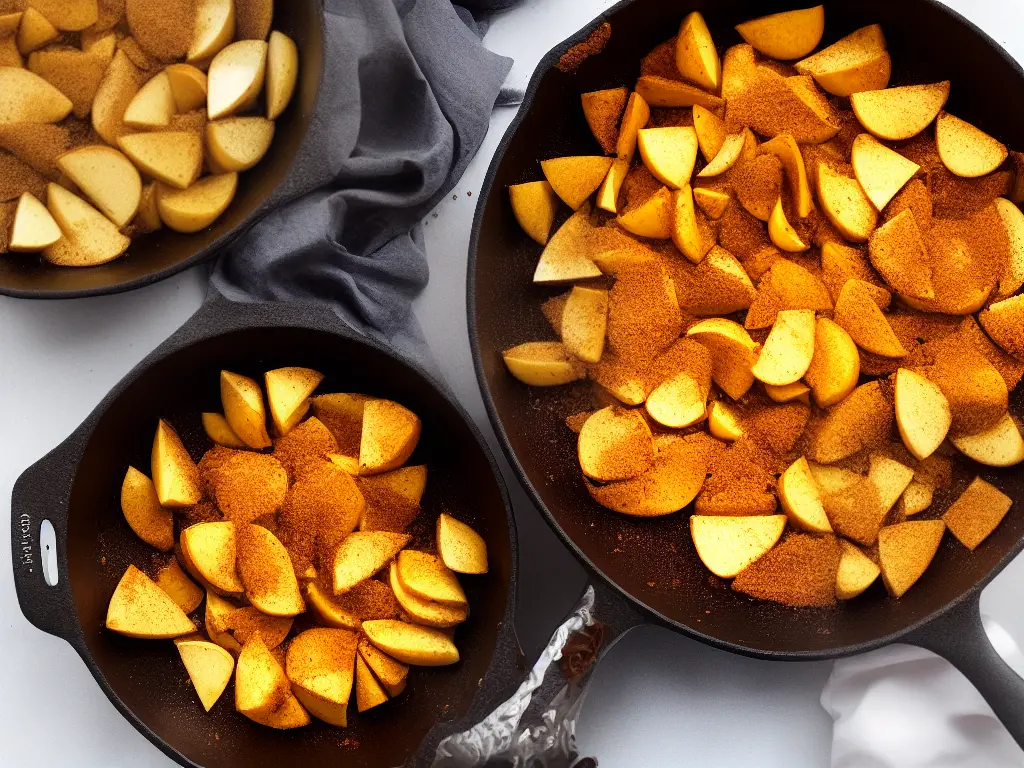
652, 562
159, 255
76, 488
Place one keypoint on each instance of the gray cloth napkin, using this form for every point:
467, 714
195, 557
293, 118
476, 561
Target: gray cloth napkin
405, 103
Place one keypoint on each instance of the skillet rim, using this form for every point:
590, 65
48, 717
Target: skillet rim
544, 66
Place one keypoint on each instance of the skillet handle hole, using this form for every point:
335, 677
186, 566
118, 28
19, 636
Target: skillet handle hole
48, 552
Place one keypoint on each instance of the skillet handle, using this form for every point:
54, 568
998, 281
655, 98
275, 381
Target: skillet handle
41, 493
959, 637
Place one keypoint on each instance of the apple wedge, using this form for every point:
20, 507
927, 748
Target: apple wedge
712, 202
574, 179
266, 571
209, 667
859, 315
543, 364
262, 691
733, 354
214, 29
282, 73
718, 286
534, 205
917, 498
210, 552
800, 572
661, 92
727, 545
107, 178
68, 15
141, 506
288, 392
235, 78
845, 204
669, 154
603, 111
858, 62
427, 577
186, 594
897, 114
175, 475
391, 674
787, 150
197, 207
681, 400
461, 548
567, 257
801, 498
35, 31
1003, 321
140, 609
977, 513
153, 105
999, 446
781, 232
118, 87
906, 550
425, 612
634, 117
583, 323
188, 85
891, 478
33, 229
320, 666
728, 155
922, 413
242, 401
881, 171
173, 157
724, 422
965, 150
390, 435
1013, 221
89, 237
785, 36
608, 193
711, 131
897, 250
364, 553
615, 444
696, 56
652, 218
788, 393
685, 231
412, 644
862, 420
835, 366
788, 351
215, 621
369, 692
238, 143
856, 572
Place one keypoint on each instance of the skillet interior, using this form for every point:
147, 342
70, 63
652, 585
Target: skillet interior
161, 254
149, 678
653, 561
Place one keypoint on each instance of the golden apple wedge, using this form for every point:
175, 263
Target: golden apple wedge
424, 612
724, 422
897, 114
320, 666
712, 202
652, 218
859, 315
785, 36
787, 150
685, 231
1013, 221
696, 55
214, 29
461, 548
906, 550
362, 554
282, 73
788, 393
635, 117
140, 609
710, 130
141, 507
858, 62
574, 179
733, 354
209, 668
534, 205
238, 143
890, 478
369, 692
89, 238
917, 498
727, 157
173, 157
153, 106
788, 351
288, 393
669, 154
391, 674
175, 475
845, 204
210, 551
922, 413
583, 323
25, 97
34, 31
674, 94
781, 232
235, 78
543, 364
727, 545
242, 401
107, 178
1000, 446
33, 229
801, 498
608, 193
198, 206
977, 513
1003, 321
856, 572
835, 366
965, 150
390, 435
568, 255
897, 250
118, 87
603, 111
615, 444
881, 171
412, 644
266, 572
186, 594
188, 85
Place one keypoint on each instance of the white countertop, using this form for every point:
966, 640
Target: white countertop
657, 699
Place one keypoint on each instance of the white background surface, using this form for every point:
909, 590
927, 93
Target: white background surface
657, 699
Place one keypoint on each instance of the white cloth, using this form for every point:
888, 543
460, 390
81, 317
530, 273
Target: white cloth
904, 707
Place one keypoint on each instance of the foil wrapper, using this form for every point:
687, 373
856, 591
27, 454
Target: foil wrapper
537, 725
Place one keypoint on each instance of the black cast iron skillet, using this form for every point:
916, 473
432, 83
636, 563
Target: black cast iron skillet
76, 487
159, 255
652, 562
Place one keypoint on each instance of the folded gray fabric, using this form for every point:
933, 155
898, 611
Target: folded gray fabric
405, 103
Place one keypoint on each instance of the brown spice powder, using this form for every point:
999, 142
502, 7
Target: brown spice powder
643, 314
385, 510
72, 72
164, 28
800, 571
306, 447
777, 426
323, 507
6, 221
111, 12
17, 177
661, 62
243, 623
37, 145
576, 55
1010, 368
978, 512
248, 486
856, 511
253, 19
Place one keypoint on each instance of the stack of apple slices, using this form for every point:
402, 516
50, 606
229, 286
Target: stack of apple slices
774, 271
174, 133
320, 522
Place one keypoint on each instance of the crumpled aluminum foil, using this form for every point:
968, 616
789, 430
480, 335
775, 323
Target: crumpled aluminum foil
532, 728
